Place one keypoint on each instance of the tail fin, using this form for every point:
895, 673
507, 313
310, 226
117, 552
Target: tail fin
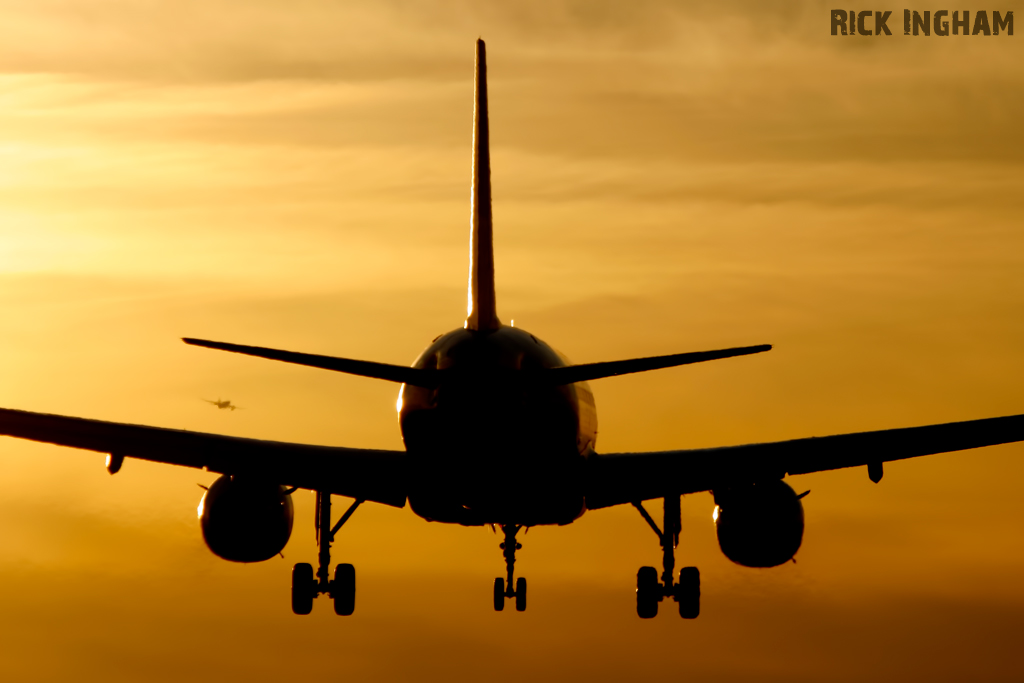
481, 313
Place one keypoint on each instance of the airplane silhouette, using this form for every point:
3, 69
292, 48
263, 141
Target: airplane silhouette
499, 429
225, 404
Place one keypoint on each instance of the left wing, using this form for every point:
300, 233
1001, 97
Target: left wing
616, 478
363, 473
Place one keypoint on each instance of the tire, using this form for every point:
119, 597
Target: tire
520, 594
499, 595
344, 590
688, 593
302, 588
647, 592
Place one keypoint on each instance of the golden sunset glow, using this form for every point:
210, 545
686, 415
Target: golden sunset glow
667, 177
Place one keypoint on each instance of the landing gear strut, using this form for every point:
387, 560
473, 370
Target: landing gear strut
305, 586
509, 548
649, 591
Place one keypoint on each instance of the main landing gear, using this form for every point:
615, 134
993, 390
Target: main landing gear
649, 592
305, 586
509, 548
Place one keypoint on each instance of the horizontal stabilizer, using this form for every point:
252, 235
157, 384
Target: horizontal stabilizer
385, 371
588, 371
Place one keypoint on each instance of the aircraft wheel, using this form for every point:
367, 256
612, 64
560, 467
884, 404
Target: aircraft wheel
499, 595
688, 592
344, 589
520, 594
303, 588
647, 592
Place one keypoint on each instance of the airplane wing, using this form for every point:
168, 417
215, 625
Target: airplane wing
616, 478
355, 472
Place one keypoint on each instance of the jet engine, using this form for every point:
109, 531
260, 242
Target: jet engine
759, 525
245, 520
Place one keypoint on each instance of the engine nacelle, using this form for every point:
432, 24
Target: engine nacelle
759, 525
245, 520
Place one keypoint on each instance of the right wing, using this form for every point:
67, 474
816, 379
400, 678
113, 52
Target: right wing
617, 478
363, 473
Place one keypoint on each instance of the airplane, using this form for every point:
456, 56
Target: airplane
225, 404
499, 429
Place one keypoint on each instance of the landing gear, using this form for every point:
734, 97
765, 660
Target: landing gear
688, 592
499, 594
305, 586
520, 594
343, 591
509, 548
649, 591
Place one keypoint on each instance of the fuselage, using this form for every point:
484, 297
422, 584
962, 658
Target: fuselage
494, 443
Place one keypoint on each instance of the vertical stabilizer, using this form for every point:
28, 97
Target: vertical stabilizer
481, 311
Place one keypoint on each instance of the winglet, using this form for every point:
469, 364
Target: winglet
481, 311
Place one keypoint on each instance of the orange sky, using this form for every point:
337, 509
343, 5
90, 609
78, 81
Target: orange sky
667, 177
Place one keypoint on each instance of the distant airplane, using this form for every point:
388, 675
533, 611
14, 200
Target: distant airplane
499, 429
225, 404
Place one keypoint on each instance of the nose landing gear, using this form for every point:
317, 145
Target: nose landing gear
649, 591
501, 592
306, 587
